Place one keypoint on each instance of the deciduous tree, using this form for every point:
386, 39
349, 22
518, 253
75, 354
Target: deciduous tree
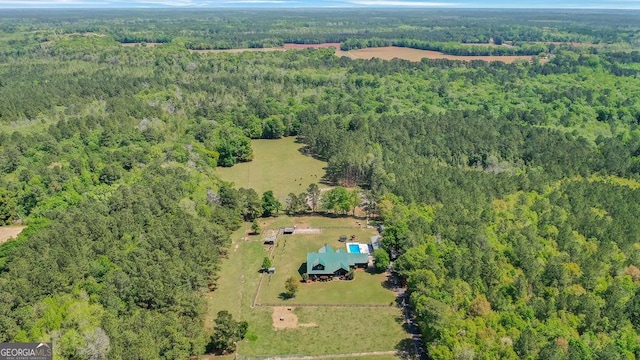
291, 286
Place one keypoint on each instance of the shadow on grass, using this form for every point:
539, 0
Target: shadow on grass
372, 270
285, 296
307, 151
302, 269
210, 349
406, 350
391, 283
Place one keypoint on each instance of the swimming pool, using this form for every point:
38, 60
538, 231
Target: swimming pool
354, 248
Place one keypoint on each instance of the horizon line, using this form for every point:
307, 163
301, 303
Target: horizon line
288, 6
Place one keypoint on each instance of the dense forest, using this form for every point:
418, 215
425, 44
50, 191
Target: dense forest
509, 192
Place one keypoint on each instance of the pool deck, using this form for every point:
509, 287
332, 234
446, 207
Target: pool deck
364, 248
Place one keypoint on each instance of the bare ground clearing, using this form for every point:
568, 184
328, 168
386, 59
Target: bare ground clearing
307, 231
385, 53
391, 52
285, 318
9, 232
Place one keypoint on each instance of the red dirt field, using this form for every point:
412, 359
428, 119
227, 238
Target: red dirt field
386, 53
391, 52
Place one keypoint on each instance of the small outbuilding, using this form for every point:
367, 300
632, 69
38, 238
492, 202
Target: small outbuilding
288, 230
271, 240
271, 270
343, 238
376, 242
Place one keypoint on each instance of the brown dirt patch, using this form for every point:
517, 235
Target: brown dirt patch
9, 232
391, 52
284, 318
385, 53
298, 223
266, 223
307, 231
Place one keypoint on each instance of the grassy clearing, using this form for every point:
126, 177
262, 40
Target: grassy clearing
277, 165
290, 255
338, 330
239, 278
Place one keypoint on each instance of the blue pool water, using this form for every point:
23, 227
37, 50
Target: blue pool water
354, 248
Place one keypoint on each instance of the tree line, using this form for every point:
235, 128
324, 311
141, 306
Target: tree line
507, 191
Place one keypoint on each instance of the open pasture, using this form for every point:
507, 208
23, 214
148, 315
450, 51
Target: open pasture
277, 165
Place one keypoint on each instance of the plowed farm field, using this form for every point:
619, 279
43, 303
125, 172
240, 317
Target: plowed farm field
392, 52
385, 53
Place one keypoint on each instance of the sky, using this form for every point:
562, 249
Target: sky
496, 4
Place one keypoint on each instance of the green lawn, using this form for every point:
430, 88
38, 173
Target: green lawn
238, 278
277, 165
338, 330
290, 254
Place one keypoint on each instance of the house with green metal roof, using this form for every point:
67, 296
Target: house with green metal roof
328, 263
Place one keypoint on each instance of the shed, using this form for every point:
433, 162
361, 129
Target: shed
343, 238
288, 230
271, 270
376, 242
271, 240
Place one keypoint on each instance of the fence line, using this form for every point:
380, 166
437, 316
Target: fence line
273, 249
311, 357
